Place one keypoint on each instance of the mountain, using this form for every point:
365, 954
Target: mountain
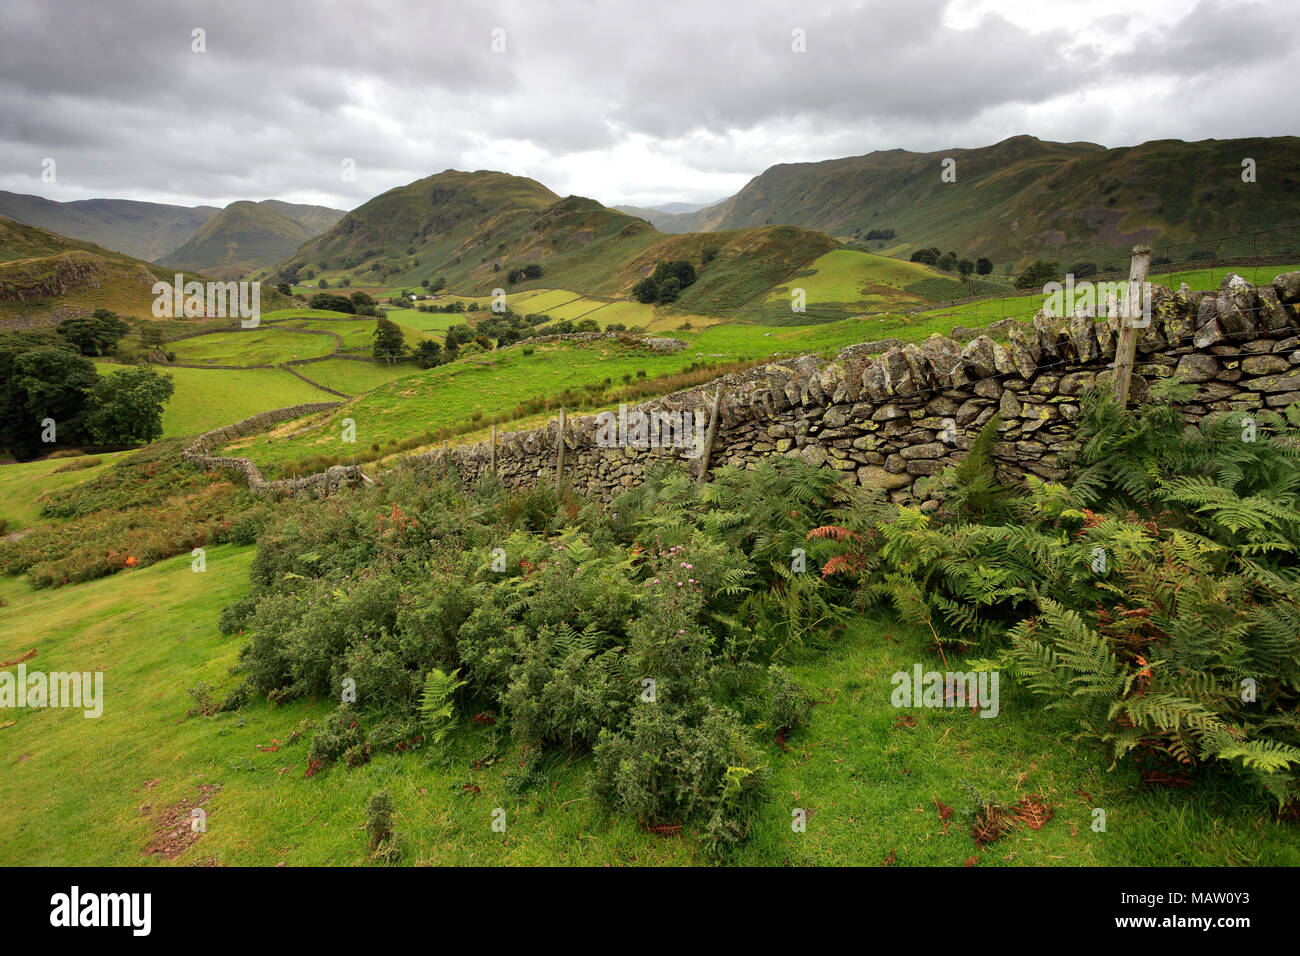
248, 235
143, 230
45, 276
664, 220
475, 228
1025, 199
671, 217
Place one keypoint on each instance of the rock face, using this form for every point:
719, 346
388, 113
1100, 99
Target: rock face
887, 413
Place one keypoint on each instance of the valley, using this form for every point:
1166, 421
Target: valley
904, 477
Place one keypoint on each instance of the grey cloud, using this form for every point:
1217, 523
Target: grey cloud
611, 99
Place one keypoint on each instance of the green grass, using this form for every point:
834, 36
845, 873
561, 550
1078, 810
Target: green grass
354, 377
76, 791
208, 398
860, 279
264, 345
24, 484
358, 335
426, 321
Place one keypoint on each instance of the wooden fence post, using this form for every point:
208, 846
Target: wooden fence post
1129, 333
559, 459
708, 438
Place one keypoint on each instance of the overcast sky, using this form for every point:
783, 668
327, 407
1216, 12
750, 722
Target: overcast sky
625, 101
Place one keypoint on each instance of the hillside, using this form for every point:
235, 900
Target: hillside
1025, 198
44, 276
473, 228
242, 237
143, 230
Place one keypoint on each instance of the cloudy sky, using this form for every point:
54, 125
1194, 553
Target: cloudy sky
626, 101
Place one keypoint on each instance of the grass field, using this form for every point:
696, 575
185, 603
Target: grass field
208, 398
859, 279
357, 334
107, 791
354, 377
264, 345
23, 485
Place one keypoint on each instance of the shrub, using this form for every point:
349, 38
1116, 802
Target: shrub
336, 735
791, 705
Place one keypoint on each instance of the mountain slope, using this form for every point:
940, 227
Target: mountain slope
1024, 199
475, 228
45, 276
143, 230
315, 219
242, 237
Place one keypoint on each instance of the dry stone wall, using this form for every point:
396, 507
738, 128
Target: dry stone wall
321, 483
890, 418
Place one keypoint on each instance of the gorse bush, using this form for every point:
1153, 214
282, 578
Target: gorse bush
581, 629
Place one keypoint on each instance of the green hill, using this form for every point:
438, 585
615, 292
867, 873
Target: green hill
44, 275
245, 236
474, 228
143, 230
1025, 199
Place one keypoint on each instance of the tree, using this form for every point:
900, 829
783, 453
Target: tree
324, 283
96, 335
532, 271
678, 269
460, 334
428, 353
965, 267
1037, 275
390, 344
647, 290
284, 288
365, 305
151, 337
39, 380
669, 289
947, 262
926, 256
983, 266
128, 406
332, 303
